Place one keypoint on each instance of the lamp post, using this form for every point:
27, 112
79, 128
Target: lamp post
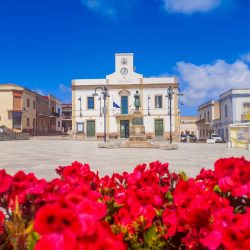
170, 93
100, 99
148, 104
104, 94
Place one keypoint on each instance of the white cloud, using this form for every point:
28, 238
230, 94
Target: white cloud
191, 6
64, 89
208, 81
109, 8
246, 57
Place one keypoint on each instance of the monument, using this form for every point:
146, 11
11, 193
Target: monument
138, 138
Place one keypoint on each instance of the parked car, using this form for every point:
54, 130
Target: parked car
216, 137
192, 138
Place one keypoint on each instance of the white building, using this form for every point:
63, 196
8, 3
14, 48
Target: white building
208, 113
234, 109
87, 115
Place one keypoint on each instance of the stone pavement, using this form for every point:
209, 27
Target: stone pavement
43, 155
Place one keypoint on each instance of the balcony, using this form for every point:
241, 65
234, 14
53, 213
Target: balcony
120, 114
204, 121
245, 117
66, 117
55, 114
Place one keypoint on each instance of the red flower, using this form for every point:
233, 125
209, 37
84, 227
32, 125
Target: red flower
57, 241
5, 181
53, 218
2, 217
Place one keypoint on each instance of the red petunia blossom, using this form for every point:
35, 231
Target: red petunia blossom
57, 241
5, 181
53, 218
212, 241
2, 217
46, 220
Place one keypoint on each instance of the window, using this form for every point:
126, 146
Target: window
225, 110
58, 110
218, 131
28, 122
205, 117
28, 102
91, 102
246, 108
200, 116
208, 118
124, 104
58, 124
34, 104
158, 101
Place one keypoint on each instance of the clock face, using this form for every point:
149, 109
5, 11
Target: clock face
124, 71
124, 61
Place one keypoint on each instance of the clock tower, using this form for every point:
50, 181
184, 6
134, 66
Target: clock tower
124, 69
124, 64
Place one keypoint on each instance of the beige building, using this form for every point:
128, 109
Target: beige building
17, 108
207, 113
188, 125
23, 110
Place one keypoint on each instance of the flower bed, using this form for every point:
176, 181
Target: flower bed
149, 208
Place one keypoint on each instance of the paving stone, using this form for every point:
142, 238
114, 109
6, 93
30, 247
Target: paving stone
42, 156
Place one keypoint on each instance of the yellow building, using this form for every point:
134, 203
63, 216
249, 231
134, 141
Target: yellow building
239, 135
17, 108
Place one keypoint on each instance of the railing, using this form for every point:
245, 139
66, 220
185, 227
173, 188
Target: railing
203, 121
65, 117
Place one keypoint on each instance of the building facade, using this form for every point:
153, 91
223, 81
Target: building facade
17, 108
23, 110
188, 125
207, 113
42, 114
67, 117
87, 110
234, 109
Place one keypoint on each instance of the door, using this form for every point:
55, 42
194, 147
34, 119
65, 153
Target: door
159, 127
124, 129
90, 128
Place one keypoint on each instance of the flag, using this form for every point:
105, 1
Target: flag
115, 105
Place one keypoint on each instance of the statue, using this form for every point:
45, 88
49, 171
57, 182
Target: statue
137, 101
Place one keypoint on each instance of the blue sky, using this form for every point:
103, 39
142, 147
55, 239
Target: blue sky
45, 44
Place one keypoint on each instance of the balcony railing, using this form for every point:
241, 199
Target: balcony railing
245, 117
205, 121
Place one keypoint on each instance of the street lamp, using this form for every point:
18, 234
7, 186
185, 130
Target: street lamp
100, 100
148, 104
104, 94
170, 93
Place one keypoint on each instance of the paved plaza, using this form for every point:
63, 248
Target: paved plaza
43, 155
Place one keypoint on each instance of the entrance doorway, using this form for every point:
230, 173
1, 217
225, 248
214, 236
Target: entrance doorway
124, 129
159, 127
90, 128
